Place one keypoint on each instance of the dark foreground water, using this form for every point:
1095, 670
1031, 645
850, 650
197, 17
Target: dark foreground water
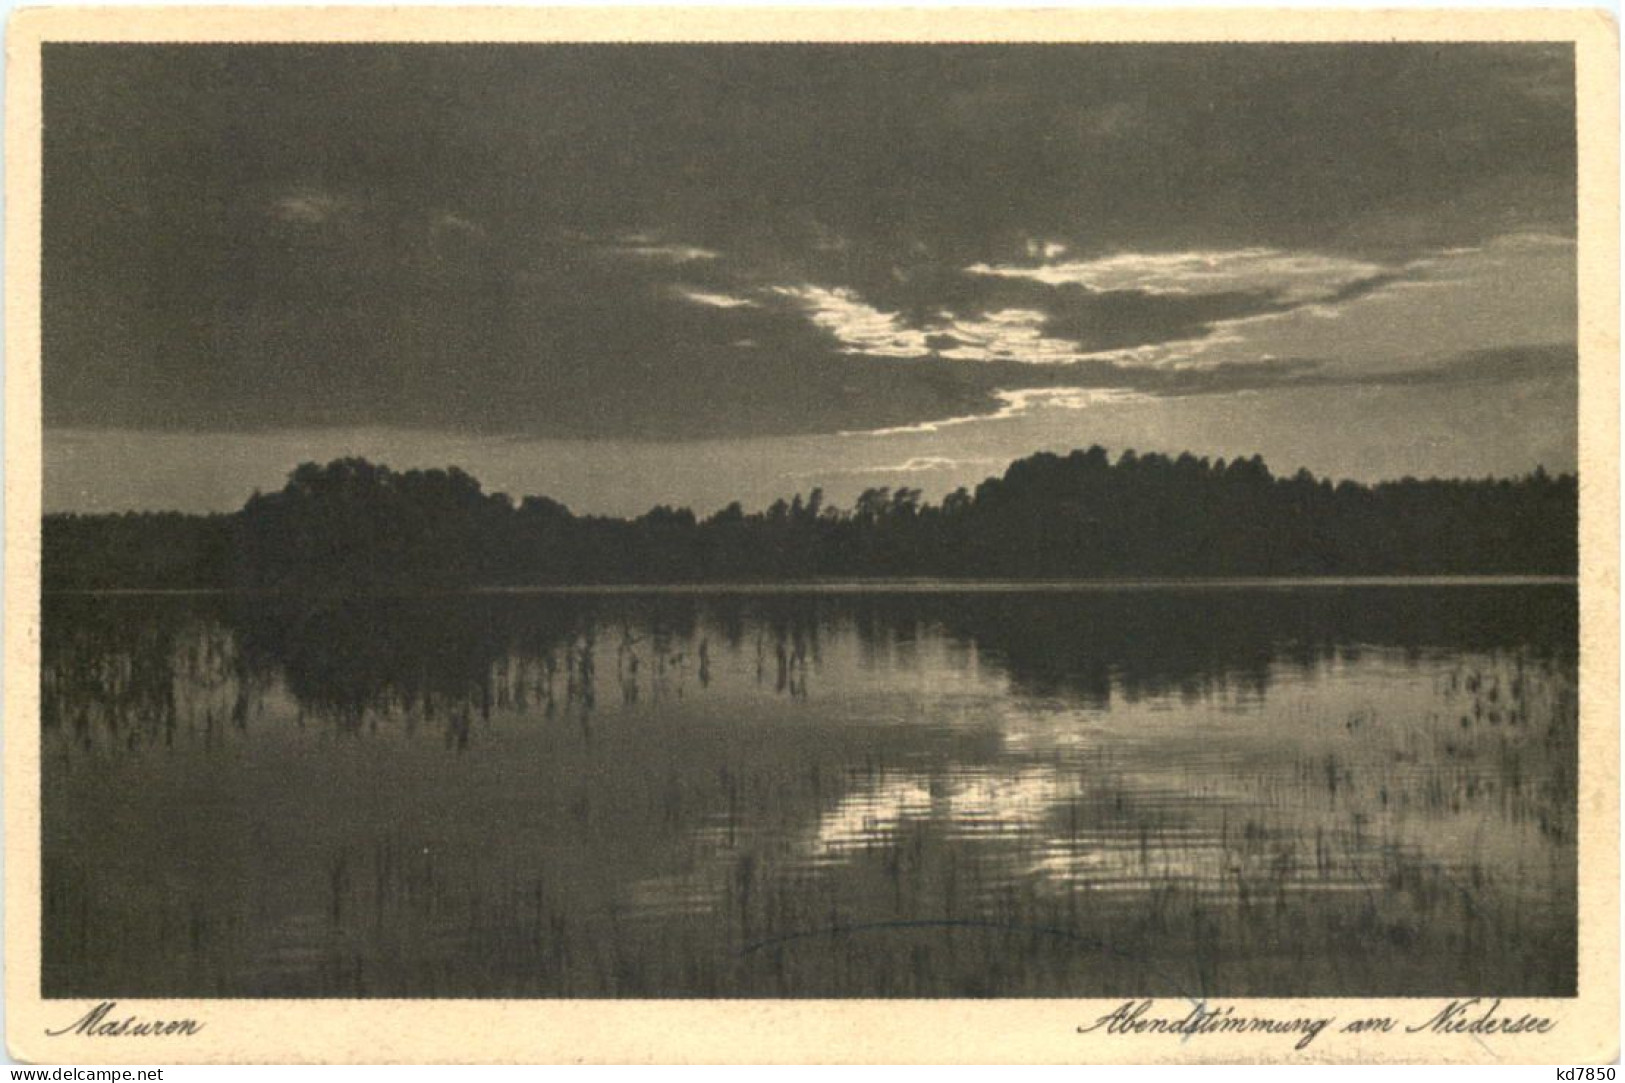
1327, 790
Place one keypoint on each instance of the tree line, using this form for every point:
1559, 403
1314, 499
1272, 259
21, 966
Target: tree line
352, 525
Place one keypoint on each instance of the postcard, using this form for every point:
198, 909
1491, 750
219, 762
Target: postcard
811, 536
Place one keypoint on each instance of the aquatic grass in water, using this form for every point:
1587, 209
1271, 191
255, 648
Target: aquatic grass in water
1361, 791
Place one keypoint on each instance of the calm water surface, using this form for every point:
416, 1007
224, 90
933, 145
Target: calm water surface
1329, 790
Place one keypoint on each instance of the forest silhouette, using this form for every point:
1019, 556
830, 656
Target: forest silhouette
352, 526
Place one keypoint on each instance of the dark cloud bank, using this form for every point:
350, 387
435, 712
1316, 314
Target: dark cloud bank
673, 242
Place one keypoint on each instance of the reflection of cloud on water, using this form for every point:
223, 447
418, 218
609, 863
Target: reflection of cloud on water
979, 804
1111, 833
1053, 827
872, 815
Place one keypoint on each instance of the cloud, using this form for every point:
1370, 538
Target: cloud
1508, 291
920, 464
587, 241
665, 253
309, 207
1551, 363
1017, 335
1292, 277
1202, 308
714, 300
1016, 403
858, 326
1116, 385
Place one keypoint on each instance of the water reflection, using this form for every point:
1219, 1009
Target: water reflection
1334, 790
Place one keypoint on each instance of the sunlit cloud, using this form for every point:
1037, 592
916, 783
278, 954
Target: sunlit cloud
665, 253
1012, 334
1289, 276
309, 207
1313, 307
860, 327
1513, 290
1008, 335
920, 464
1023, 401
714, 300
1019, 335
1045, 249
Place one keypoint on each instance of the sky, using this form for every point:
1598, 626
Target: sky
627, 275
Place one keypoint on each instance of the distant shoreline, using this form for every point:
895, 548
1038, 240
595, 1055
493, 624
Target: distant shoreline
1079, 521
888, 586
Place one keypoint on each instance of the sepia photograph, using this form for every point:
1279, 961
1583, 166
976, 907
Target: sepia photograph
1086, 521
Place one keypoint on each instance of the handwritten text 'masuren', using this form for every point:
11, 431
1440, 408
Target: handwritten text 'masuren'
97, 1024
1473, 1016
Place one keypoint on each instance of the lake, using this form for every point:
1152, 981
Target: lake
1349, 789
